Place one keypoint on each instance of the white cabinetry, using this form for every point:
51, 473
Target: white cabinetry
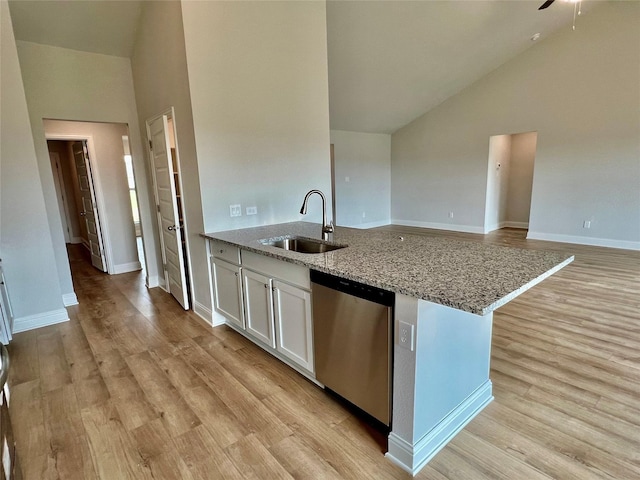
266, 299
294, 325
227, 282
258, 304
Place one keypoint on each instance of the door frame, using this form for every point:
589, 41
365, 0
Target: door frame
97, 190
171, 114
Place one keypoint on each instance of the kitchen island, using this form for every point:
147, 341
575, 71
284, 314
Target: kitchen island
446, 291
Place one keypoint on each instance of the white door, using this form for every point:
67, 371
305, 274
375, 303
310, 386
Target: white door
294, 326
228, 291
169, 220
258, 304
89, 212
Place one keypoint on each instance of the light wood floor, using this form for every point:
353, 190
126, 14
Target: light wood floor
133, 387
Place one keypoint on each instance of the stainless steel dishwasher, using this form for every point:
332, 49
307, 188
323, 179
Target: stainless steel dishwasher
352, 341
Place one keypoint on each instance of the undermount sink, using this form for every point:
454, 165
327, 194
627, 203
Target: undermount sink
303, 245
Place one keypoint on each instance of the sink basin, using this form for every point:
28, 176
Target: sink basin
303, 245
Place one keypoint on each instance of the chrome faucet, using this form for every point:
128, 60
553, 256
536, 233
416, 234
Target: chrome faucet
327, 228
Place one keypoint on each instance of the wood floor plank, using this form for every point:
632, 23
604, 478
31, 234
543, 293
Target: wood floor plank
176, 413
54, 369
203, 456
301, 461
518, 445
254, 461
133, 387
113, 452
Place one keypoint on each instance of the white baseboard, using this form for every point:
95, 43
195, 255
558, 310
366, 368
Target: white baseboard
364, 226
75, 240
506, 224
596, 242
521, 225
203, 312
31, 322
412, 458
152, 281
69, 299
217, 319
439, 226
126, 267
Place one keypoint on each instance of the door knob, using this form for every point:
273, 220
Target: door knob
172, 228
82, 214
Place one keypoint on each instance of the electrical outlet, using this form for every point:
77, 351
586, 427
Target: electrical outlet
252, 210
586, 224
347, 179
406, 336
235, 210
364, 214
450, 214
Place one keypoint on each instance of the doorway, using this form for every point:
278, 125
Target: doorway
167, 187
509, 180
96, 210
75, 190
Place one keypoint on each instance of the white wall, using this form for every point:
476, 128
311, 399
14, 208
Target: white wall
160, 78
112, 189
259, 91
523, 155
579, 91
72, 85
365, 159
25, 243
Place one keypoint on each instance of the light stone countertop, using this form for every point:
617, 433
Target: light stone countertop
468, 276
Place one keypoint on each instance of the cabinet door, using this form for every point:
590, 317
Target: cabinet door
227, 287
294, 324
258, 304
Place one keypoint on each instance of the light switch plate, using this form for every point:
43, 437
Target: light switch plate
235, 210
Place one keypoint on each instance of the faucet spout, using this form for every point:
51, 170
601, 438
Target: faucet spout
327, 227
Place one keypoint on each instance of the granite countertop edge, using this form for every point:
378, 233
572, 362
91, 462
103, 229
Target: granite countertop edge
252, 239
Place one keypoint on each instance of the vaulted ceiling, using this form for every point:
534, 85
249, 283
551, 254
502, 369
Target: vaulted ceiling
389, 61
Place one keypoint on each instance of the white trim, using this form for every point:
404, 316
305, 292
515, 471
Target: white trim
412, 458
31, 322
506, 224
521, 225
381, 223
69, 299
127, 267
596, 242
205, 313
492, 228
152, 281
439, 226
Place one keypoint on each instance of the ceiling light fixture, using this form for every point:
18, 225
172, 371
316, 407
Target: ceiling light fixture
535, 37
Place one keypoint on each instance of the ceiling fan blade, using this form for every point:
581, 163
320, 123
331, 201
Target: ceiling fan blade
546, 4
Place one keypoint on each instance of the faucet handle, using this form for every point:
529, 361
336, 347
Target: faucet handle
328, 228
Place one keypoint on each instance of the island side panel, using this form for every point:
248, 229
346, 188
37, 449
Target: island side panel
441, 385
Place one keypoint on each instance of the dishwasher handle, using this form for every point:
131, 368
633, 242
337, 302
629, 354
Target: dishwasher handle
351, 287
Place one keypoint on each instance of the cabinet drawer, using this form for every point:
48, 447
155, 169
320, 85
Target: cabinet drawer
225, 251
285, 271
